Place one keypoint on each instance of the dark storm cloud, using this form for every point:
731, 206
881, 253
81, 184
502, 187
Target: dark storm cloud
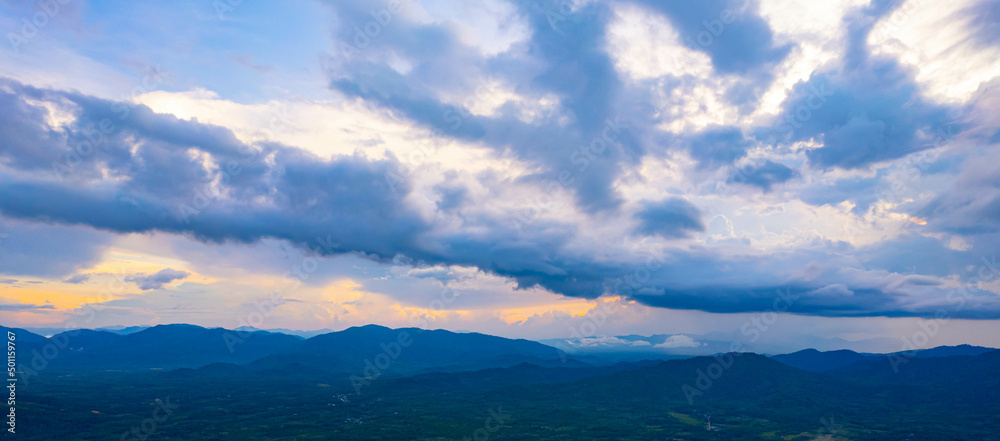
163, 187
764, 176
341, 206
22, 129
717, 146
915, 254
837, 287
864, 115
820, 301
673, 217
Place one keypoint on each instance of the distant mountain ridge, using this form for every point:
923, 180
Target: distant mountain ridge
167, 347
382, 350
668, 346
391, 351
823, 361
295, 332
408, 350
816, 361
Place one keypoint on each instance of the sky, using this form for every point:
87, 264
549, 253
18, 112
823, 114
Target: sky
790, 172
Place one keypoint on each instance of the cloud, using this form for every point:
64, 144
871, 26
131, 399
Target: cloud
347, 205
718, 146
864, 115
442, 274
169, 190
729, 31
678, 341
451, 79
674, 217
865, 108
605, 341
77, 278
23, 307
156, 280
860, 191
544, 101
967, 201
915, 254
764, 175
834, 290
982, 18
46, 250
331, 207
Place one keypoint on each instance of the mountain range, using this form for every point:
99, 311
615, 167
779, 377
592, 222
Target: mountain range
189, 346
373, 381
